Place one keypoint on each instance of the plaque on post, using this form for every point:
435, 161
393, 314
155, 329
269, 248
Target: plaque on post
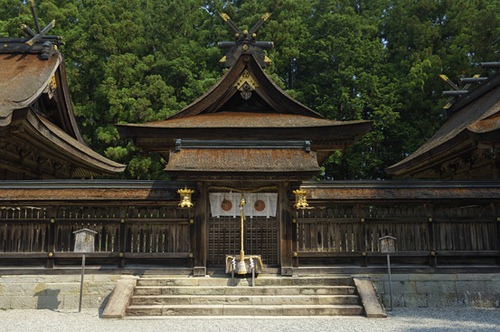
84, 240
84, 243
387, 246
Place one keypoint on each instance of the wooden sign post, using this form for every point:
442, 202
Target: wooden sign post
84, 243
388, 245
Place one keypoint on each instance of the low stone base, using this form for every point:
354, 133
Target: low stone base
409, 290
286, 271
61, 292
440, 290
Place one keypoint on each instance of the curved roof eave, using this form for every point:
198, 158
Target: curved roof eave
68, 147
25, 77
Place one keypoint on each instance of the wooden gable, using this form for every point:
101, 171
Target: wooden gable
265, 96
245, 105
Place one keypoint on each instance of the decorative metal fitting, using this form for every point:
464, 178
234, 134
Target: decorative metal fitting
430, 219
185, 198
51, 254
300, 199
191, 221
52, 220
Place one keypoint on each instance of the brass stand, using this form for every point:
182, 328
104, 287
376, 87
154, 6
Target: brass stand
238, 264
242, 267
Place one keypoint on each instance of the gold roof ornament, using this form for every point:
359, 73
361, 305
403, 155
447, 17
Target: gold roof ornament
246, 83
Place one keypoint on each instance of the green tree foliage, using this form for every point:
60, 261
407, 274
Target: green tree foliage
132, 61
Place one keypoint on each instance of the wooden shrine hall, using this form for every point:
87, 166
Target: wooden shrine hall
244, 139
242, 159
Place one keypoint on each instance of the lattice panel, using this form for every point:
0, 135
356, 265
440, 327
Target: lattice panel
261, 238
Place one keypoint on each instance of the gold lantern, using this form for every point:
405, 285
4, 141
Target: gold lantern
300, 199
185, 195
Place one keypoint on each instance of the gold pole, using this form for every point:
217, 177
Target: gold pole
242, 268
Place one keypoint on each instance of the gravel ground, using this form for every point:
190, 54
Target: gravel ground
416, 320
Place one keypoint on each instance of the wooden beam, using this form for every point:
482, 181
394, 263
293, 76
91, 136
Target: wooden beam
286, 231
199, 238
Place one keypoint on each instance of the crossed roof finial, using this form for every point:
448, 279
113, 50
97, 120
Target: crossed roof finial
245, 43
41, 34
38, 42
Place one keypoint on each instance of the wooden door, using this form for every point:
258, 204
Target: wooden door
261, 238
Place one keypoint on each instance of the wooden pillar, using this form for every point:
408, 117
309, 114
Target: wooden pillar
295, 249
51, 245
286, 230
199, 240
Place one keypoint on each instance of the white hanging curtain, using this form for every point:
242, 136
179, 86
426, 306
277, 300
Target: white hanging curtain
257, 204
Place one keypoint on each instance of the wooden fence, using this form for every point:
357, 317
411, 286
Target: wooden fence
132, 234
425, 234
435, 225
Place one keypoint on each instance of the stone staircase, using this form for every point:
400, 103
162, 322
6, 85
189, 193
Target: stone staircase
271, 296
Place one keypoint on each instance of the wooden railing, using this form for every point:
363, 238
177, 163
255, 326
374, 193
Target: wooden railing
425, 234
131, 234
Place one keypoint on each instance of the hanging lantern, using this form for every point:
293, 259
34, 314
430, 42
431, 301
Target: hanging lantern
300, 199
185, 195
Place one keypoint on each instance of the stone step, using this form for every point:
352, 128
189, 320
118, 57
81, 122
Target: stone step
222, 296
245, 310
259, 281
245, 290
245, 300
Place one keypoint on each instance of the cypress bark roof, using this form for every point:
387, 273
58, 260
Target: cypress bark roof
290, 163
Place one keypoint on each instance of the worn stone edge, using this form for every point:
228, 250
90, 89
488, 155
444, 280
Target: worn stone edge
371, 304
120, 297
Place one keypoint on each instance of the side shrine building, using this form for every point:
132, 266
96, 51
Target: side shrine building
467, 146
39, 136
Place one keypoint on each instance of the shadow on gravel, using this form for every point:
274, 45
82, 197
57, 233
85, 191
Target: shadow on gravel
47, 299
448, 320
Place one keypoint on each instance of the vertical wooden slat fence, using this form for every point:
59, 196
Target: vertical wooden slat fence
425, 234
123, 233
438, 232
